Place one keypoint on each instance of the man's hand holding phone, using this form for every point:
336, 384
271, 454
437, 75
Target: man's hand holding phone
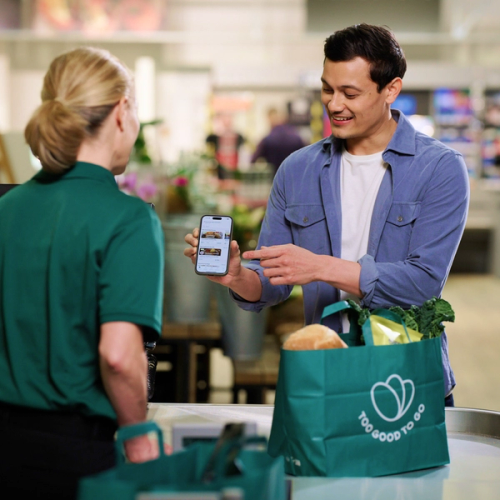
213, 245
241, 280
234, 267
216, 255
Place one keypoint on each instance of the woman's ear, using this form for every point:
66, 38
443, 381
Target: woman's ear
393, 89
120, 112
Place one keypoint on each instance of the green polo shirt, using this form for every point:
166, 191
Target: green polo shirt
75, 252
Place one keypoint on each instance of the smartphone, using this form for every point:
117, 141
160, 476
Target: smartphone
212, 256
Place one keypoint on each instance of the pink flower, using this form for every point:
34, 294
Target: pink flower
127, 182
147, 191
180, 181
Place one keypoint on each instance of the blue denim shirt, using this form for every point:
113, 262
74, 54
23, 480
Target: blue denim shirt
417, 222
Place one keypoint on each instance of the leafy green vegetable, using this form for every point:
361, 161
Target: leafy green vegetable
432, 313
363, 313
426, 319
410, 316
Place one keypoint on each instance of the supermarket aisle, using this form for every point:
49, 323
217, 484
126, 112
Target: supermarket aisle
474, 339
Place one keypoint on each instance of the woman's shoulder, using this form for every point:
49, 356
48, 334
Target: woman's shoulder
130, 206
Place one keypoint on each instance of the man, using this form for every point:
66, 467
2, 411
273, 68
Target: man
374, 212
225, 145
281, 141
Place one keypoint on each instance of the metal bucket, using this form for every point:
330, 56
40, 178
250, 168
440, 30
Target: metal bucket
187, 295
242, 331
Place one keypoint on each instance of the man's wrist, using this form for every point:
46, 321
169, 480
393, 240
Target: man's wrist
325, 269
246, 285
237, 280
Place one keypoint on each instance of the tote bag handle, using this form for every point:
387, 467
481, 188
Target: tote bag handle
383, 313
353, 337
135, 430
224, 459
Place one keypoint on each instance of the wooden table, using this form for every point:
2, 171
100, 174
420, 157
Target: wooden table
257, 376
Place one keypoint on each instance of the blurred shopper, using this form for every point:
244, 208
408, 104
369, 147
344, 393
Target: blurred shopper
375, 212
81, 267
225, 145
281, 141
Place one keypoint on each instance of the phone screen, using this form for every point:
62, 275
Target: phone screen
213, 245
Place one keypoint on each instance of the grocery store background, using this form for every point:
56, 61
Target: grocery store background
197, 60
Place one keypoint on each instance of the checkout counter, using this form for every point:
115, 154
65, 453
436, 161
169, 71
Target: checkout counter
473, 439
479, 250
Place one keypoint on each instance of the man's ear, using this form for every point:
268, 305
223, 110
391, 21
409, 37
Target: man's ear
120, 112
393, 89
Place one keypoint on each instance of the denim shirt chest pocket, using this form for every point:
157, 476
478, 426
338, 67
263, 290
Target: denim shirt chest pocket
309, 227
399, 226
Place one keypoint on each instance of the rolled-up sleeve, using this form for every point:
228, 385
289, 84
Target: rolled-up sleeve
368, 277
268, 297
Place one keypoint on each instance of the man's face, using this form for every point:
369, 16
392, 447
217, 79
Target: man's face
357, 111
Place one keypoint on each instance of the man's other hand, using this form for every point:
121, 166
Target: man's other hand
287, 264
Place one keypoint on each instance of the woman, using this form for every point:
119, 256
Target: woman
81, 268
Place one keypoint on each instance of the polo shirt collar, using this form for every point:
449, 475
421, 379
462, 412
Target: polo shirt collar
402, 141
80, 170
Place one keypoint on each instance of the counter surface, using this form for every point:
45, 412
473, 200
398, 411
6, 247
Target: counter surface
473, 439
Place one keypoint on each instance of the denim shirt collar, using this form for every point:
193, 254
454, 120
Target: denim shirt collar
402, 142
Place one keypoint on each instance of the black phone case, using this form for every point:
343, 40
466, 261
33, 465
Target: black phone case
228, 253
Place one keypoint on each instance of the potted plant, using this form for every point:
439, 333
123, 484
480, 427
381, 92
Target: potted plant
187, 295
242, 331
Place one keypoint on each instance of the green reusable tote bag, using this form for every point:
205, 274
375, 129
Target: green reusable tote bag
361, 411
260, 476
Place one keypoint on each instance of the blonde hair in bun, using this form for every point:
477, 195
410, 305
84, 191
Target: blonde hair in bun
80, 89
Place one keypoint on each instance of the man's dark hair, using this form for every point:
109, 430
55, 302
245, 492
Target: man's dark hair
375, 44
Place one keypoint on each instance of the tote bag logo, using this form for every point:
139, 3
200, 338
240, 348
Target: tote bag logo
403, 392
392, 400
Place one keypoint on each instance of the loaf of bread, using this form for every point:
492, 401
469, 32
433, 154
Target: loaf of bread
313, 337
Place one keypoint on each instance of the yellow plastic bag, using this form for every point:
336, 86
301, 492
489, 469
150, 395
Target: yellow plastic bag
388, 332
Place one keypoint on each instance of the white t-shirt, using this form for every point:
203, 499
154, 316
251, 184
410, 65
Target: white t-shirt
360, 179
